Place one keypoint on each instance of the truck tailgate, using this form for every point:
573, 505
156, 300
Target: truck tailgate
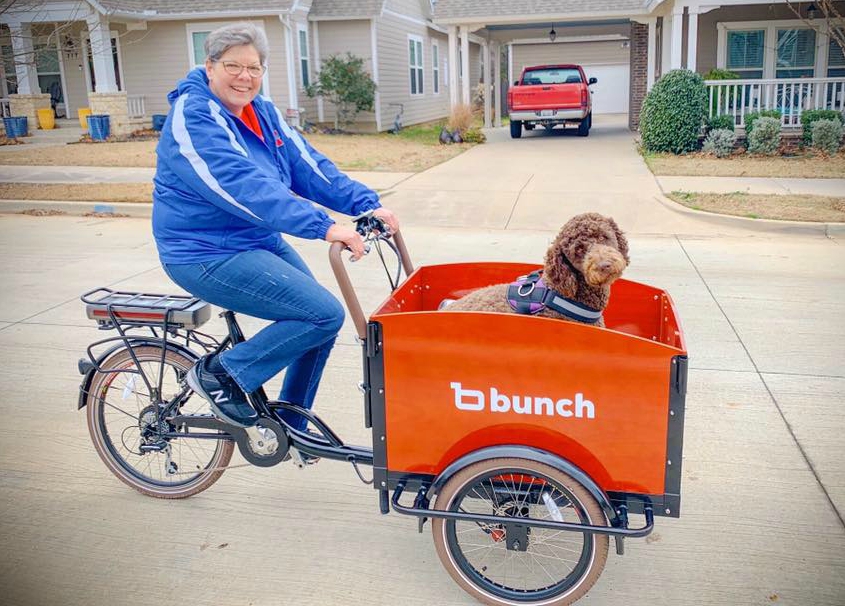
546, 96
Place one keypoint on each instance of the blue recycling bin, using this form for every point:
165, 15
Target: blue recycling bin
16, 126
158, 121
98, 127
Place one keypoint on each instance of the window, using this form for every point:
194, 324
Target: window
835, 59
9, 69
415, 62
746, 52
49, 72
198, 47
303, 57
796, 53
435, 66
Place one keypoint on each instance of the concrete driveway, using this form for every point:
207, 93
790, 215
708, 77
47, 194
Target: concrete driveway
763, 479
540, 180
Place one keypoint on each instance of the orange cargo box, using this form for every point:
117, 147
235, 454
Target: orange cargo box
608, 400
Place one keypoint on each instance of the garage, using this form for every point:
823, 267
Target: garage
605, 57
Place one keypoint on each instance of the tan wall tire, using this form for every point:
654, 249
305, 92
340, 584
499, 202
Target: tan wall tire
456, 493
106, 387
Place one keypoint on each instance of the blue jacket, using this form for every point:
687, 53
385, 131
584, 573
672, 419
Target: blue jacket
219, 189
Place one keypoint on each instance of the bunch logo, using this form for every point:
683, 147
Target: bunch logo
494, 401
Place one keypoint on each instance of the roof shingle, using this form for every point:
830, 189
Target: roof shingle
345, 8
181, 7
455, 9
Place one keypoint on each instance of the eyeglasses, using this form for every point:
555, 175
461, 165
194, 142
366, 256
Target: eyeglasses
233, 68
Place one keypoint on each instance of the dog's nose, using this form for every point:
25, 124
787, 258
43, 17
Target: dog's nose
605, 266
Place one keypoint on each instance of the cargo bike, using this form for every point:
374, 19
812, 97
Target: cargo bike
526, 442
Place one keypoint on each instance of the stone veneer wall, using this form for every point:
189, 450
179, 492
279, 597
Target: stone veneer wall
639, 73
26, 105
115, 106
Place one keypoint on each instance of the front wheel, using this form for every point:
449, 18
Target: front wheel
516, 129
533, 565
132, 436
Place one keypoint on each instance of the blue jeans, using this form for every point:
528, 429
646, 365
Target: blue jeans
274, 286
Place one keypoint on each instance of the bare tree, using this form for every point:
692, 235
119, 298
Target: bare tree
827, 20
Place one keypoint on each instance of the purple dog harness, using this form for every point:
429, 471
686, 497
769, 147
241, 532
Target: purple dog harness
530, 295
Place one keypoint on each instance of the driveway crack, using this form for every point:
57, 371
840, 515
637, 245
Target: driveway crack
515, 202
766, 386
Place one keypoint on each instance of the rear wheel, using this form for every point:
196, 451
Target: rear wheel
123, 417
532, 565
516, 129
585, 125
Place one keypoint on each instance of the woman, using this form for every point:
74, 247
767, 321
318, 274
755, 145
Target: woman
231, 176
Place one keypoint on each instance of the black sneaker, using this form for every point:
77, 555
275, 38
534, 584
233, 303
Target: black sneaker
226, 398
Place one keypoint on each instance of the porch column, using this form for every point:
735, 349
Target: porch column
651, 58
487, 91
677, 36
24, 57
101, 54
453, 66
465, 99
497, 84
692, 37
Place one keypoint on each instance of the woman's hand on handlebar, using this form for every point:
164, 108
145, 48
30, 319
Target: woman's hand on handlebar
349, 237
388, 218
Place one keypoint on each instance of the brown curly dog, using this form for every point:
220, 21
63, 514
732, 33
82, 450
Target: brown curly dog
588, 254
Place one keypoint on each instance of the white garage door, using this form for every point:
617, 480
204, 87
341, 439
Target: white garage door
611, 92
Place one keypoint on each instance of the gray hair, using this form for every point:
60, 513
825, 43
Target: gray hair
236, 34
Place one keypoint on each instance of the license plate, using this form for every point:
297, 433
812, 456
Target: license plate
545, 113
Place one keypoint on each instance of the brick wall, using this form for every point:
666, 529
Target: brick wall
114, 105
28, 105
639, 72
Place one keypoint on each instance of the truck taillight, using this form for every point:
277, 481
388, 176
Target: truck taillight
510, 99
584, 97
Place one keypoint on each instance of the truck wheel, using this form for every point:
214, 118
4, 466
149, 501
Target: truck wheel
584, 126
516, 129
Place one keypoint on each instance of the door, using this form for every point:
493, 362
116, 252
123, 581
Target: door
611, 92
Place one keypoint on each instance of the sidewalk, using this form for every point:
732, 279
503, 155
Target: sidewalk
111, 174
753, 185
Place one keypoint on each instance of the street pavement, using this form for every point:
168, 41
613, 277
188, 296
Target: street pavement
763, 491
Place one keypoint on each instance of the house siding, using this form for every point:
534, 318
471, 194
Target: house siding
394, 74
339, 38
307, 105
155, 59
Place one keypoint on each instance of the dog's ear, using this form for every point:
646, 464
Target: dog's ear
557, 274
621, 240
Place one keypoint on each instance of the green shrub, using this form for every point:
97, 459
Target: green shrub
673, 112
720, 142
752, 117
725, 121
345, 82
765, 138
474, 135
827, 135
811, 115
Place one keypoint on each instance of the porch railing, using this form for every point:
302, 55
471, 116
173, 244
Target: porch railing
790, 97
136, 106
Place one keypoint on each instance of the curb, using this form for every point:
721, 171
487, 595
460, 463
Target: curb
761, 225
129, 209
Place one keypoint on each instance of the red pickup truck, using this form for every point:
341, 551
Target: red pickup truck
550, 95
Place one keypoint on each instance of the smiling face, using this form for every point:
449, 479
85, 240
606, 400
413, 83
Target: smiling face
236, 92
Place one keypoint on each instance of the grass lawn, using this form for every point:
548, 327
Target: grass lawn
763, 206
743, 165
414, 149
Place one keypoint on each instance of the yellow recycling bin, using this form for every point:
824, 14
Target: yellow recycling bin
83, 113
46, 118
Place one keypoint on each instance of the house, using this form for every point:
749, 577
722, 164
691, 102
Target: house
783, 51
122, 57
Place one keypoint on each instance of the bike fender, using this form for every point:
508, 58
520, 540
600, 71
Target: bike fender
532, 454
88, 370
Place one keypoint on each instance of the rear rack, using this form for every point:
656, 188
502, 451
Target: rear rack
109, 307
